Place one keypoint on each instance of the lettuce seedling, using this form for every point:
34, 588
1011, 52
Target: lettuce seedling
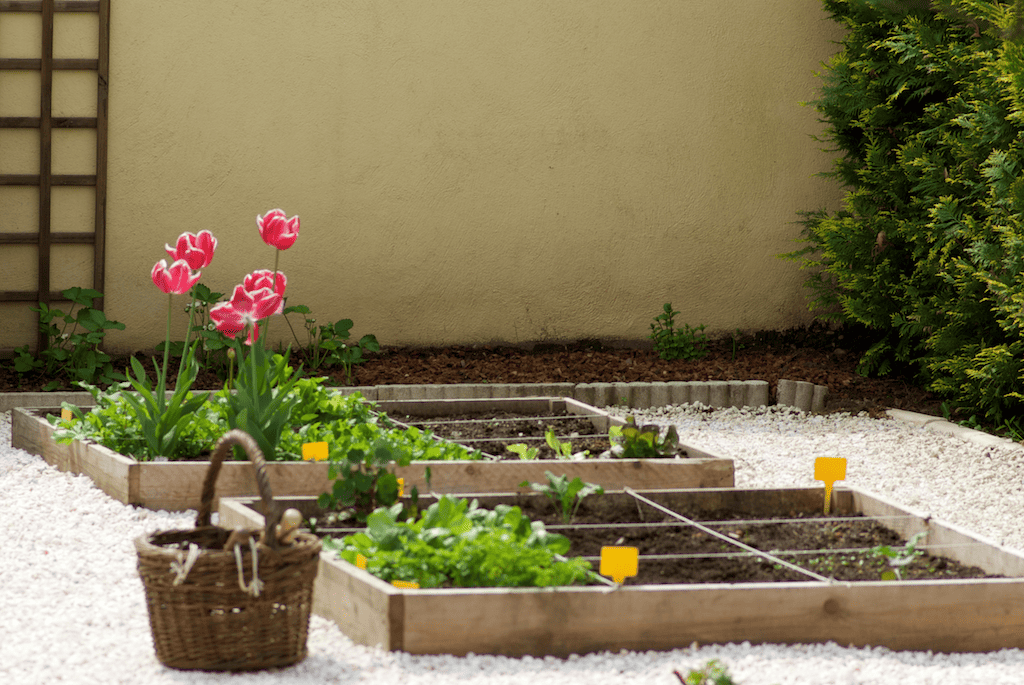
563, 492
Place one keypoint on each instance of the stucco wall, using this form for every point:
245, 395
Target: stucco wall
471, 171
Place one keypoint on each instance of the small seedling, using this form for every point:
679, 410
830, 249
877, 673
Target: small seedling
563, 492
670, 343
898, 558
644, 442
713, 672
523, 450
563, 450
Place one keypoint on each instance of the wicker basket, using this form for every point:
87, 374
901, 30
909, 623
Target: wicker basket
208, 608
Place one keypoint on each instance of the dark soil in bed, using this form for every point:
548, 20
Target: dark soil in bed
713, 560
493, 432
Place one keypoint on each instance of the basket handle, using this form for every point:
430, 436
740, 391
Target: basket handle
271, 512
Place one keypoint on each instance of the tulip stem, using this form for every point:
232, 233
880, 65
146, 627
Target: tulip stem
161, 382
188, 335
266, 321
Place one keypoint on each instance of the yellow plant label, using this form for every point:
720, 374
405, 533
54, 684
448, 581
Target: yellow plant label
619, 563
829, 470
66, 415
405, 585
361, 561
314, 451
401, 487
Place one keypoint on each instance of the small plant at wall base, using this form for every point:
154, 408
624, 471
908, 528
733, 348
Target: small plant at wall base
671, 343
328, 344
73, 342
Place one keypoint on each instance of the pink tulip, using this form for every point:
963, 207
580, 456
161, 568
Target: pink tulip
196, 249
245, 310
177, 279
265, 278
277, 231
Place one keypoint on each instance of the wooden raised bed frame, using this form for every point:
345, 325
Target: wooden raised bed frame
175, 486
940, 615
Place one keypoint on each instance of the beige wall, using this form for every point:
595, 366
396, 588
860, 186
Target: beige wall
471, 171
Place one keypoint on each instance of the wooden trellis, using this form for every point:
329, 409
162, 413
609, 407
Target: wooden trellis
44, 239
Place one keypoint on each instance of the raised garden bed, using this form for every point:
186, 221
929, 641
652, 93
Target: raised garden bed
172, 485
936, 613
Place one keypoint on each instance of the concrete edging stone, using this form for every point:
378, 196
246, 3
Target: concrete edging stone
934, 423
636, 395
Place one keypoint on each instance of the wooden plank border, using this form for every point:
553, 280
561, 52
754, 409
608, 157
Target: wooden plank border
175, 486
970, 615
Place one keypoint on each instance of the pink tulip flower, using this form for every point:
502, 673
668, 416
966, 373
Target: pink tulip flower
244, 310
196, 249
265, 278
276, 230
177, 279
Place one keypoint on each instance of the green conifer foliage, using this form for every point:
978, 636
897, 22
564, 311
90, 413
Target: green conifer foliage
923, 104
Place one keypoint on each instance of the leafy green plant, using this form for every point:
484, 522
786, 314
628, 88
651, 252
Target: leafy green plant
711, 673
328, 343
563, 450
456, 543
566, 495
73, 342
924, 105
362, 481
900, 557
262, 401
671, 343
643, 442
524, 451
111, 424
163, 420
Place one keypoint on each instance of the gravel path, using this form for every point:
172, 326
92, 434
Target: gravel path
72, 607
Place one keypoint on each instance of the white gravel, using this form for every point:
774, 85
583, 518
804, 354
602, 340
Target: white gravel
72, 607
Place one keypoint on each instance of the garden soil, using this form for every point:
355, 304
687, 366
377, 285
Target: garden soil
817, 354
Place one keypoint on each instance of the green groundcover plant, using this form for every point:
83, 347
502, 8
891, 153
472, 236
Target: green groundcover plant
923, 105
456, 543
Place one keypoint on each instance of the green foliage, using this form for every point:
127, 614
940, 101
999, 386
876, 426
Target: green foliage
327, 344
711, 673
262, 403
211, 345
924, 109
524, 451
564, 493
644, 442
563, 450
671, 343
163, 420
900, 557
455, 543
362, 481
111, 423
73, 342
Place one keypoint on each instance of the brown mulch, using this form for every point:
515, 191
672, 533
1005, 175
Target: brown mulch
815, 353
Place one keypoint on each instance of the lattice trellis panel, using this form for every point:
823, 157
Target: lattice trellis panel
45, 65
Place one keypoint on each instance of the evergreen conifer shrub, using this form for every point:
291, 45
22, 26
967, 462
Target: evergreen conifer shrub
923, 104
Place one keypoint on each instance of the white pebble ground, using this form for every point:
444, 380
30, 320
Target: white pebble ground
72, 607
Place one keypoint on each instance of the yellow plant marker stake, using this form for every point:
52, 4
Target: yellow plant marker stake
314, 451
401, 487
619, 563
405, 585
829, 470
360, 562
66, 415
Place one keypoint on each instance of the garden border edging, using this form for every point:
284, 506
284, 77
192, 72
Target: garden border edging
636, 395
